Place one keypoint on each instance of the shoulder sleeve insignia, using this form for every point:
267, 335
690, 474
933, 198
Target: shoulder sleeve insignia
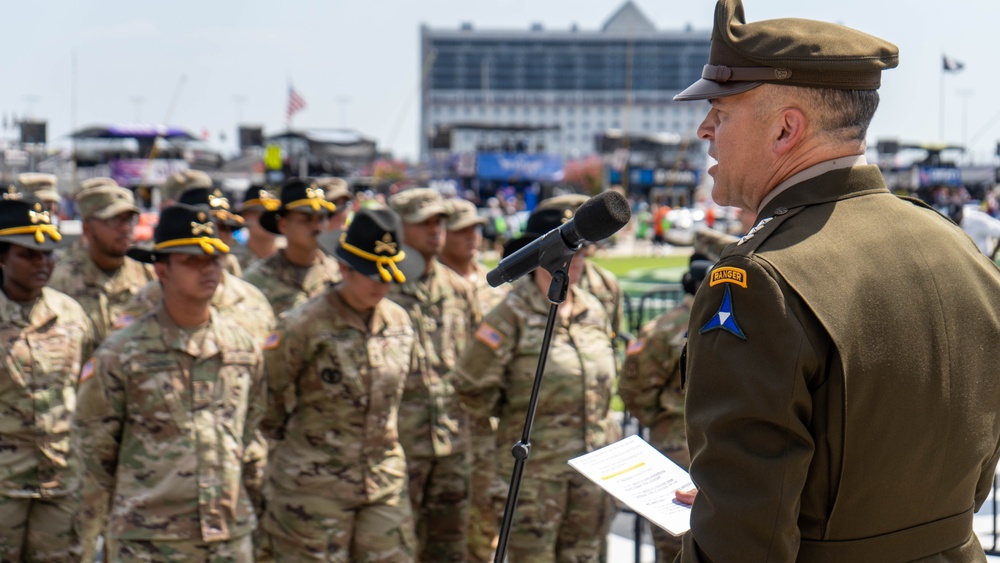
490, 336
724, 319
88, 370
122, 321
635, 346
728, 274
272, 340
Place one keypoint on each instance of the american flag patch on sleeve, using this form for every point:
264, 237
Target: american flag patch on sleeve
88, 370
272, 340
635, 346
489, 336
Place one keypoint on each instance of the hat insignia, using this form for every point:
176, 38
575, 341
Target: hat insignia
567, 215
315, 193
201, 228
386, 245
218, 201
782, 73
12, 193
39, 217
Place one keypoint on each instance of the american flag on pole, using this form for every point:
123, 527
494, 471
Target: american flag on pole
296, 103
951, 65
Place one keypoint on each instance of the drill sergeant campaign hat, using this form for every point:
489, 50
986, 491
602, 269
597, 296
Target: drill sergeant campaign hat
180, 182
790, 51
104, 201
298, 194
373, 245
260, 200
417, 205
42, 186
214, 201
462, 213
183, 229
25, 221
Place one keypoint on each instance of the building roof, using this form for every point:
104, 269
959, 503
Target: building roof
628, 19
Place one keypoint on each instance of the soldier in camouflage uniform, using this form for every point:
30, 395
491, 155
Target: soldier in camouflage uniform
260, 242
194, 187
710, 243
166, 406
444, 311
561, 516
294, 274
339, 193
337, 473
461, 250
650, 386
43, 187
44, 338
103, 279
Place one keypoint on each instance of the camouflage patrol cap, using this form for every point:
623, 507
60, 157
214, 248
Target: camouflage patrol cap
24, 221
335, 188
42, 186
183, 229
94, 182
572, 201
417, 205
789, 51
462, 213
104, 201
180, 182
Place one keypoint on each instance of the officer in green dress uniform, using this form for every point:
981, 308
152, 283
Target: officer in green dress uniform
841, 402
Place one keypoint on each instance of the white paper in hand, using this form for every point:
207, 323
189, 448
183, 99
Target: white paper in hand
641, 477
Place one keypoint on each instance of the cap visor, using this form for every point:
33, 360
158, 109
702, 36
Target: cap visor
29, 241
329, 241
708, 89
412, 266
116, 209
468, 222
425, 213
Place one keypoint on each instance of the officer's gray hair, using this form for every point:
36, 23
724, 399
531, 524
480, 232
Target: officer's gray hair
841, 115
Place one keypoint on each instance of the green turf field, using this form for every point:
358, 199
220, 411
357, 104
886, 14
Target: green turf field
638, 273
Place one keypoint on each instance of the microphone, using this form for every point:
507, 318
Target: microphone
597, 219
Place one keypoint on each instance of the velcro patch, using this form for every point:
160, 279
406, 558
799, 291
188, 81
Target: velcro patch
490, 336
635, 346
122, 321
88, 370
728, 274
272, 340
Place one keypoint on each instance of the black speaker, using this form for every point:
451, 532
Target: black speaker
33, 132
251, 137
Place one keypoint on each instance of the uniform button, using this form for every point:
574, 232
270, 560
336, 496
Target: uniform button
780, 211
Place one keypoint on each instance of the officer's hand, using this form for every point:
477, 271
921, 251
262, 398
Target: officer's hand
687, 495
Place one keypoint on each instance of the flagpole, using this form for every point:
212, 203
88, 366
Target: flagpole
941, 111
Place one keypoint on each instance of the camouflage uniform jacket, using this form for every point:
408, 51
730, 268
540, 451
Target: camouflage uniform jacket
444, 312
234, 299
604, 285
487, 295
286, 285
161, 425
497, 370
41, 360
340, 438
102, 296
650, 384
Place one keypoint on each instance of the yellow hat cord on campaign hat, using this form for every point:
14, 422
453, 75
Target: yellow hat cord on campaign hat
38, 230
383, 263
208, 244
315, 202
269, 204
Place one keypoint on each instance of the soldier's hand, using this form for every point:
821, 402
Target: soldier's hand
686, 496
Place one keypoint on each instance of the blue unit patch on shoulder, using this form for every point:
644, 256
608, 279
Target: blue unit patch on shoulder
724, 319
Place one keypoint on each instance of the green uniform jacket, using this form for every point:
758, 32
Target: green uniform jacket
286, 285
102, 297
161, 425
42, 355
496, 373
843, 393
339, 437
444, 312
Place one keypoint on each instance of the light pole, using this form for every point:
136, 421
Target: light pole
239, 100
343, 101
137, 102
964, 93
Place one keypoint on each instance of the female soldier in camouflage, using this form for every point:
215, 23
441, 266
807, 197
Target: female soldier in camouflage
44, 335
560, 515
336, 369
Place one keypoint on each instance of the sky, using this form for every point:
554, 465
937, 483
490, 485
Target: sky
208, 65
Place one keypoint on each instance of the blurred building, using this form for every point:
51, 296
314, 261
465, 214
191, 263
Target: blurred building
565, 86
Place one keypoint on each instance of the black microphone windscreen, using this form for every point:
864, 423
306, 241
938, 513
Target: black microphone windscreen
602, 216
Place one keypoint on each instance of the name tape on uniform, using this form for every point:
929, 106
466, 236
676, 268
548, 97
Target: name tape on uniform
728, 274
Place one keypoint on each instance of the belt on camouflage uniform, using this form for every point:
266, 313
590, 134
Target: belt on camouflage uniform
903, 545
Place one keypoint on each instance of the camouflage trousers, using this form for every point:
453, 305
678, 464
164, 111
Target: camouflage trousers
302, 526
237, 550
254, 468
439, 494
34, 529
483, 522
559, 518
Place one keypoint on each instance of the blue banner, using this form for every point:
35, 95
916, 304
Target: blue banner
930, 177
516, 167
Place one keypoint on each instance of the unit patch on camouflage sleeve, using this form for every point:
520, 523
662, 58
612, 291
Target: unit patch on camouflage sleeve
489, 336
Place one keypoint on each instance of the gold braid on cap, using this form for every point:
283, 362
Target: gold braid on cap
384, 264
316, 198
208, 244
38, 230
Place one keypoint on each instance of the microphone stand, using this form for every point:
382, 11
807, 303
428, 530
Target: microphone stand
558, 266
